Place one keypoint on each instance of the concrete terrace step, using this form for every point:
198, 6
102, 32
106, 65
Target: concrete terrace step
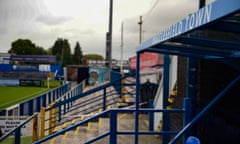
126, 122
84, 105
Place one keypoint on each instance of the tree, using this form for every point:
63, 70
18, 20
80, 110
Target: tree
67, 57
26, 47
57, 49
61, 49
93, 57
77, 56
39, 51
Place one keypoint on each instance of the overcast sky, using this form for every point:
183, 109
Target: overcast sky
86, 21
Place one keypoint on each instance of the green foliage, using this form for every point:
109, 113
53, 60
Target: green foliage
26, 47
77, 56
62, 50
93, 57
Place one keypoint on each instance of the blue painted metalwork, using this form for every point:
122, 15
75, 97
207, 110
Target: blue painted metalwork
208, 14
200, 50
61, 103
191, 88
182, 53
205, 109
17, 130
38, 100
30, 107
165, 119
49, 98
187, 104
64, 106
68, 105
137, 97
44, 100
116, 76
59, 112
113, 122
151, 116
210, 33
104, 99
207, 42
17, 134
113, 127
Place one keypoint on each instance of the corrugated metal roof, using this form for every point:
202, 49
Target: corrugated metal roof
211, 32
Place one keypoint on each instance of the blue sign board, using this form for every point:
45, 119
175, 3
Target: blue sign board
207, 14
34, 58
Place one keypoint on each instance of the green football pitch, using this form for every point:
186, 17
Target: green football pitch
12, 95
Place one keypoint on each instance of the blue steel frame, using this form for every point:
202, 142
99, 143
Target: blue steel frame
221, 15
187, 38
113, 125
17, 130
218, 16
29, 107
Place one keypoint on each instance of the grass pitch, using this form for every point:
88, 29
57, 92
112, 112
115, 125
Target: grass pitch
12, 95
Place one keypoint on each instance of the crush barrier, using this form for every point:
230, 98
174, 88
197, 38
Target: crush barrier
49, 114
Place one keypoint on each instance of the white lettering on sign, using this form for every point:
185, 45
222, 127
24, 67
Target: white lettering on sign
192, 21
169, 32
200, 17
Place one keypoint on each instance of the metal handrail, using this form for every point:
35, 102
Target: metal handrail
113, 117
16, 129
205, 109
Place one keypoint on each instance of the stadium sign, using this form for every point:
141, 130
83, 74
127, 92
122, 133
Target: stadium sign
8, 125
192, 21
33, 58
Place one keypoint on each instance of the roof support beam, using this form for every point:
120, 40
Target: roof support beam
208, 43
185, 54
199, 50
227, 26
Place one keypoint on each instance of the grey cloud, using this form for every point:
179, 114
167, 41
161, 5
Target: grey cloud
20, 10
3, 31
165, 14
26, 11
51, 20
77, 31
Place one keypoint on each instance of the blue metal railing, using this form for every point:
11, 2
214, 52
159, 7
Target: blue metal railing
211, 104
65, 104
113, 115
87, 101
16, 132
113, 132
28, 107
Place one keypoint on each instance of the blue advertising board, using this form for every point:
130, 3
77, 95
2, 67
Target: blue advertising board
34, 58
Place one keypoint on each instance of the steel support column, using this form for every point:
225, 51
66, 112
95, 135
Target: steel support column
137, 96
166, 70
104, 99
191, 90
205, 109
